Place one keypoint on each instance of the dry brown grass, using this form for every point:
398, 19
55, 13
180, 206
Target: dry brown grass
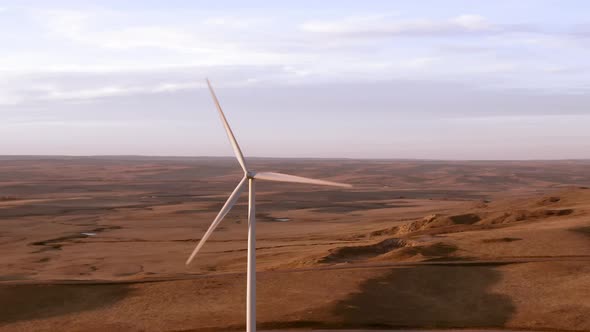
414, 244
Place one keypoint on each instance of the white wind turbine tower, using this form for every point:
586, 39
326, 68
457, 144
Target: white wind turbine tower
249, 176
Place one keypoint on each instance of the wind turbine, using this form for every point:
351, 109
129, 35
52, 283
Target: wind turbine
249, 176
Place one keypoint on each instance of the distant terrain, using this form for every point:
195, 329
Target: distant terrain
99, 243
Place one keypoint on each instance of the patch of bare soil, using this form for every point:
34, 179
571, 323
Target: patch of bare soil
500, 240
28, 302
429, 252
57, 243
583, 230
549, 200
465, 219
356, 253
438, 223
434, 298
526, 215
433, 221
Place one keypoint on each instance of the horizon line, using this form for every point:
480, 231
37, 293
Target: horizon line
264, 157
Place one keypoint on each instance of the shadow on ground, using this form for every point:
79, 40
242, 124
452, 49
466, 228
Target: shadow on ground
428, 297
25, 302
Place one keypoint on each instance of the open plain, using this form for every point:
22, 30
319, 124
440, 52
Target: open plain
99, 243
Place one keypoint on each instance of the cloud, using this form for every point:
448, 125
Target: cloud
204, 39
235, 22
7, 99
110, 91
72, 124
80, 26
386, 26
68, 94
97, 54
471, 22
420, 62
78, 83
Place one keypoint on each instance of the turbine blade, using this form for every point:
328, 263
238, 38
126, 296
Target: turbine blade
230, 134
280, 177
224, 210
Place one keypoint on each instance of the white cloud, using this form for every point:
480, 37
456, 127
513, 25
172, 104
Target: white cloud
201, 40
55, 93
472, 22
102, 54
70, 123
381, 25
147, 36
345, 25
295, 71
235, 22
9, 99
81, 27
417, 63
173, 87
110, 91
68, 23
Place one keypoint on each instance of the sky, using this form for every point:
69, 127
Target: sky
328, 79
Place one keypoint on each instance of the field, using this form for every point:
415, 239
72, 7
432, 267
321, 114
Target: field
99, 243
